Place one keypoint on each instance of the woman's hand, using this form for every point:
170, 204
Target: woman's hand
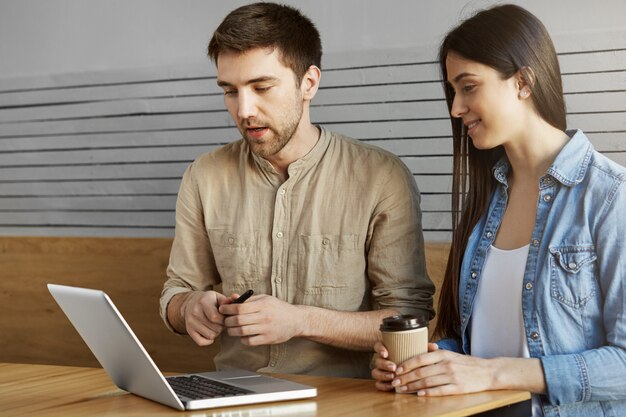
385, 370
444, 373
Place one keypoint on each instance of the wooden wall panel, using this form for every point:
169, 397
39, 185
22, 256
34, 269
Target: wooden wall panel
131, 271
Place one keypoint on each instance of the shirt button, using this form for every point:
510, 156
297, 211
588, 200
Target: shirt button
534, 335
278, 280
547, 198
535, 242
489, 234
283, 191
474, 274
279, 234
529, 285
272, 364
572, 265
231, 240
325, 242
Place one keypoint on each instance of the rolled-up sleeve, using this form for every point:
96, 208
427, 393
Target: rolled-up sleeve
191, 266
396, 260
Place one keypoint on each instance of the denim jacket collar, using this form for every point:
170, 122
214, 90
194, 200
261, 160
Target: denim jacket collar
569, 167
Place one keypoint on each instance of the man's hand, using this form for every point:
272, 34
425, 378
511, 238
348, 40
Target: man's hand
197, 312
262, 320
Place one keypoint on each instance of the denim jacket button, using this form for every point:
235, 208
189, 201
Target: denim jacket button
534, 335
474, 274
547, 198
535, 242
529, 285
489, 234
572, 265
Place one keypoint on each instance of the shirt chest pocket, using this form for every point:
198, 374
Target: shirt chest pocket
235, 257
572, 275
331, 271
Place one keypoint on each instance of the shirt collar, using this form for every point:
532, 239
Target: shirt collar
571, 164
569, 167
308, 160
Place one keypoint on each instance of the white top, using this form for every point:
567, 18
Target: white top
497, 324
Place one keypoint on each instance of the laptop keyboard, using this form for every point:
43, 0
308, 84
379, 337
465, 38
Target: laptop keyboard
196, 387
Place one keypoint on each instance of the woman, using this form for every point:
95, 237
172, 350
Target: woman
534, 295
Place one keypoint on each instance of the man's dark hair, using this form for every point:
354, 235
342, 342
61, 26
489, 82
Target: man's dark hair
270, 25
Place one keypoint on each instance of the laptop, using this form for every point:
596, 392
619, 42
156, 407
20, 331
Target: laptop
124, 358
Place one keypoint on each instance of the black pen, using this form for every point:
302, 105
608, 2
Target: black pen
243, 297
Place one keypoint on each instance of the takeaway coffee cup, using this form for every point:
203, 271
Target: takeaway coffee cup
404, 336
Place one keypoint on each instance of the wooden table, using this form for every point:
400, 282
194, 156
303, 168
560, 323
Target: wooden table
63, 391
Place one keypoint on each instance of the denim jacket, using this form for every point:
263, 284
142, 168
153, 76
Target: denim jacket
574, 294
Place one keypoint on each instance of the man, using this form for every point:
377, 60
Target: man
324, 229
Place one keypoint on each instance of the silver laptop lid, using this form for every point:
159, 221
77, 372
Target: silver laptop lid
129, 365
113, 343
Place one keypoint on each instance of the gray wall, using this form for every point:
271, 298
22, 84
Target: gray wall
59, 36
103, 104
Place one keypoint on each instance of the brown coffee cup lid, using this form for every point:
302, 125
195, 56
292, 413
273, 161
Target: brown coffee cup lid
402, 322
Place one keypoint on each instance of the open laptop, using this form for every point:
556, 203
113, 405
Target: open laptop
123, 357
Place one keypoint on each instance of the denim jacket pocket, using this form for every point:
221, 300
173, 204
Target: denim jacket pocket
331, 271
572, 274
235, 257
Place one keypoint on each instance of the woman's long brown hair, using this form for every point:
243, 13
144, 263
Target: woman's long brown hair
509, 39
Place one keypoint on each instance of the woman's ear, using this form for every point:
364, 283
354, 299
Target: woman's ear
525, 81
310, 82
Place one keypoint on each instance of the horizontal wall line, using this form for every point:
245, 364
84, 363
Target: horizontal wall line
113, 116
4, 196
106, 148
207, 78
64, 180
99, 180
52, 210
598, 112
80, 226
186, 129
213, 77
91, 164
101, 132
113, 226
110, 84
225, 111
104, 100
185, 145
593, 92
62, 103
115, 132
594, 51
406, 64
222, 110
593, 72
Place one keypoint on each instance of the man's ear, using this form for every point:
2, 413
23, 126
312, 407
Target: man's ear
310, 82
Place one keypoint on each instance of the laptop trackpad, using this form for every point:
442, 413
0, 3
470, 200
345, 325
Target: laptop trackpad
250, 380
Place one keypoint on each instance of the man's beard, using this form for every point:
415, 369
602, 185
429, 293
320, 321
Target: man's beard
278, 137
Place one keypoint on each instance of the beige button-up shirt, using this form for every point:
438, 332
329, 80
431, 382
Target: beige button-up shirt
343, 232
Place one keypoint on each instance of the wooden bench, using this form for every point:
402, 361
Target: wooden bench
131, 271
